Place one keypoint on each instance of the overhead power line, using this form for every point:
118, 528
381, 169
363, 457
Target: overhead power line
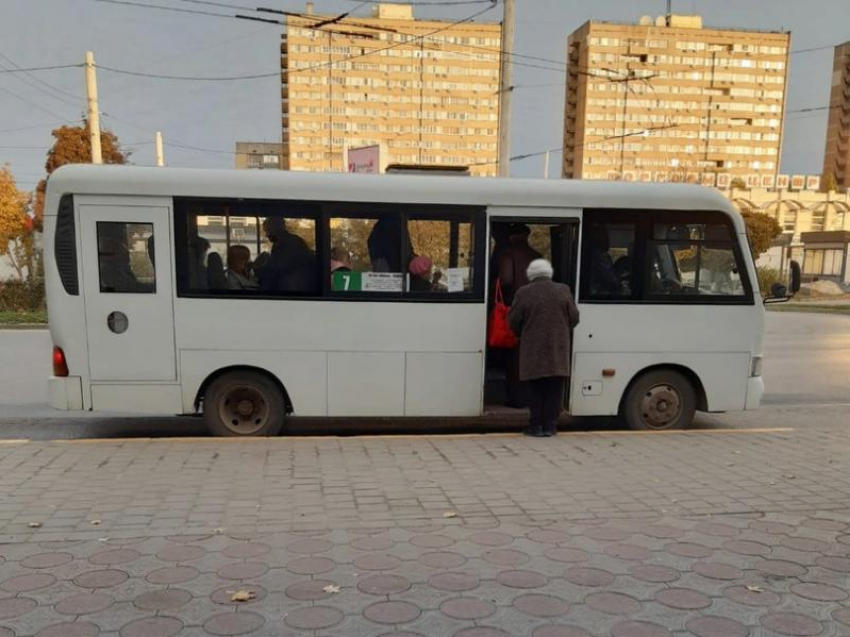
41, 68
814, 48
256, 76
345, 21
35, 126
643, 133
187, 78
53, 92
35, 105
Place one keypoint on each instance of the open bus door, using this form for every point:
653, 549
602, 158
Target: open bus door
555, 237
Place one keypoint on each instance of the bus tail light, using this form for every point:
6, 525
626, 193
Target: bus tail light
755, 367
60, 365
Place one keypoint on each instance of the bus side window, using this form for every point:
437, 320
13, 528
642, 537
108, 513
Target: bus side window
693, 259
125, 257
608, 260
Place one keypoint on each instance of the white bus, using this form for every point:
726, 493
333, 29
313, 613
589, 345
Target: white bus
247, 296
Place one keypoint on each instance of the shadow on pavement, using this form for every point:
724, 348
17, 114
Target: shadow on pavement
113, 427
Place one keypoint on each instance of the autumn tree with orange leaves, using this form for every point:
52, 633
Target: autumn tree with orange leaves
16, 226
73, 146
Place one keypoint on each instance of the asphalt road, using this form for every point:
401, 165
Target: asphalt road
806, 370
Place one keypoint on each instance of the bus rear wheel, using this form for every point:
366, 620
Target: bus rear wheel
660, 400
243, 404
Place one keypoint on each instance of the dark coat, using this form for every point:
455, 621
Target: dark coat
542, 316
513, 263
292, 267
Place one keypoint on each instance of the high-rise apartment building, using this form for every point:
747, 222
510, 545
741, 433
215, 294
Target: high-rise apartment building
427, 90
837, 159
258, 155
669, 100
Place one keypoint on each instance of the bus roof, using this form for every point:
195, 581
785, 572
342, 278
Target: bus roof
279, 184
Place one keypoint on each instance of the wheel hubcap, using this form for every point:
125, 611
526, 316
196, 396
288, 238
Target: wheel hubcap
244, 410
661, 406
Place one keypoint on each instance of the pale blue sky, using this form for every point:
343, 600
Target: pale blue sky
214, 115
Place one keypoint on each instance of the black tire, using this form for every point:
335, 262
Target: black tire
244, 404
660, 400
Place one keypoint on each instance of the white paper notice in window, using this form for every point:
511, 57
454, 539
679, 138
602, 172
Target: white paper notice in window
383, 281
457, 278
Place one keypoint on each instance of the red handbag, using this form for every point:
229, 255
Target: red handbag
499, 334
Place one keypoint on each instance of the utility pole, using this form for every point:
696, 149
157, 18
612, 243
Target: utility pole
505, 68
546, 165
94, 113
160, 157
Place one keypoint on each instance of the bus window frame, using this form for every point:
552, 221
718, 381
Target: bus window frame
323, 212
477, 215
645, 221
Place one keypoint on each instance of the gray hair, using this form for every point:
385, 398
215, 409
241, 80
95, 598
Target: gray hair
539, 269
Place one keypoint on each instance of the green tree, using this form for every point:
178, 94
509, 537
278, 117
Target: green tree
16, 226
762, 229
73, 146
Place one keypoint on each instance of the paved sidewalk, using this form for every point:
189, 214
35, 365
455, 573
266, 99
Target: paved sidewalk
707, 534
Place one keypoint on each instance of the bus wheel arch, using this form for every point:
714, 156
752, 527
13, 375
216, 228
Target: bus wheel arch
243, 400
662, 397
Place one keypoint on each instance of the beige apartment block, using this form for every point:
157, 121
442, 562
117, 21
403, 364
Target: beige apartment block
838, 128
427, 90
259, 155
815, 225
671, 100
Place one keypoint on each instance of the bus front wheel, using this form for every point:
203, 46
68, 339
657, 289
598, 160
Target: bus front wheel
659, 400
244, 403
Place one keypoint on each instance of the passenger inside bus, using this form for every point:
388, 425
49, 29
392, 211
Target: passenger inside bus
515, 259
340, 259
198, 248
385, 245
421, 278
116, 273
292, 265
604, 279
216, 277
238, 273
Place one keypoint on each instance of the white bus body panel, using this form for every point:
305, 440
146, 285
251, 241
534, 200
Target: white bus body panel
145, 352
716, 342
340, 358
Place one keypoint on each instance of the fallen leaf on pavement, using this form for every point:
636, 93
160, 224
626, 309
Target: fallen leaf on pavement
754, 588
35, 525
95, 522
243, 596
331, 588
449, 514
218, 531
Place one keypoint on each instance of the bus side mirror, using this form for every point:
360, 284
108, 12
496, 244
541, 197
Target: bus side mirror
795, 277
778, 291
